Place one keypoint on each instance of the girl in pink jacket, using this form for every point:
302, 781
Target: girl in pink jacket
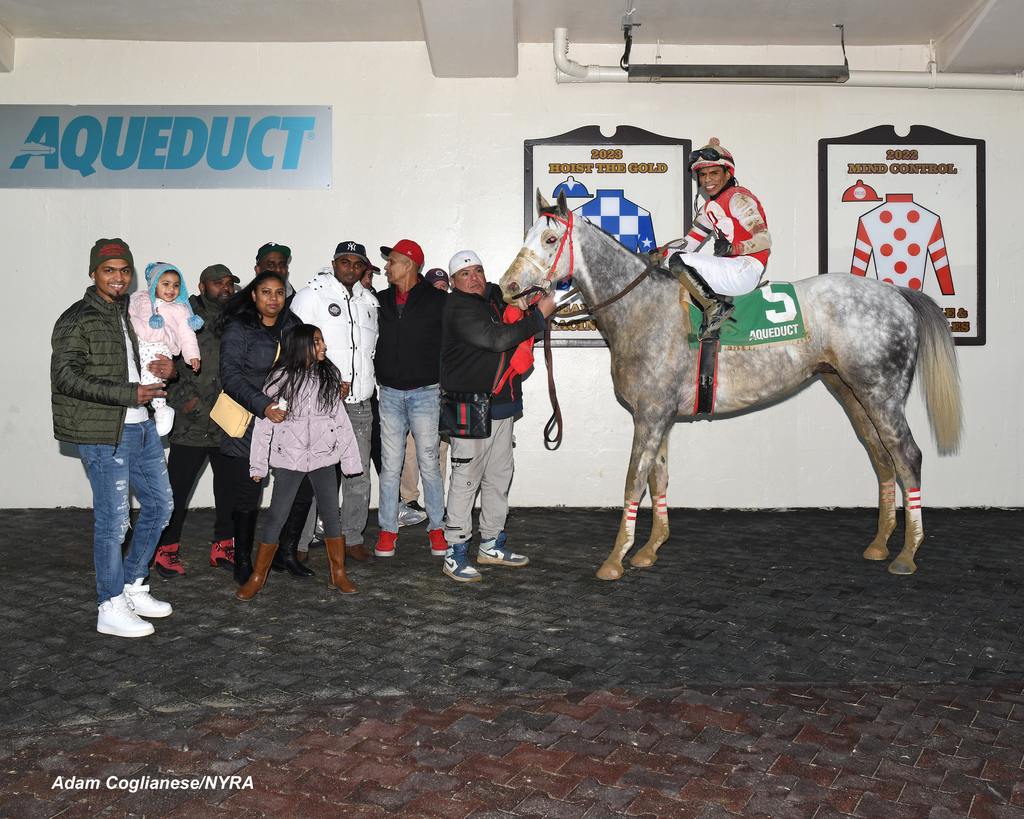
165, 324
311, 437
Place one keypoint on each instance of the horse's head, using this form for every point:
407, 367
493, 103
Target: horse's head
547, 254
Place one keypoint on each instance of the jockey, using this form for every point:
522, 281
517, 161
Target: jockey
742, 243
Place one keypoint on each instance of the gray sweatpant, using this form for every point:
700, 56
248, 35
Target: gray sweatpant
484, 465
355, 492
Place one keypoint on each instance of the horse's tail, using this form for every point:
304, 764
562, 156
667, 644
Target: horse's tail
936, 361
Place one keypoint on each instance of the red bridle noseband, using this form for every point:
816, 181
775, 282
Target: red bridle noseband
566, 236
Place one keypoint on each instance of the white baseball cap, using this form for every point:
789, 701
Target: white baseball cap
464, 258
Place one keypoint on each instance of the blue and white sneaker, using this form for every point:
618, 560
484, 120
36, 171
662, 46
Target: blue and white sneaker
457, 566
493, 552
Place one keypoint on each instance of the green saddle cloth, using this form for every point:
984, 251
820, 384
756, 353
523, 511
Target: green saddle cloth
768, 315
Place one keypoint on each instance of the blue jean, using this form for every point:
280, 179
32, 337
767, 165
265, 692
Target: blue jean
137, 461
402, 411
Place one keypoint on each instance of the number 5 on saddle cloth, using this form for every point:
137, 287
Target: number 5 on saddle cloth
768, 315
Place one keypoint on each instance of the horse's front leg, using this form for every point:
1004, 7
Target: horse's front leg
657, 482
646, 440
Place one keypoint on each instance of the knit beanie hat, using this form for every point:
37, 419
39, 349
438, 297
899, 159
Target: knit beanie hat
154, 270
105, 249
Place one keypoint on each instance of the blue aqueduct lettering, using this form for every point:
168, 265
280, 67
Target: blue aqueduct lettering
164, 143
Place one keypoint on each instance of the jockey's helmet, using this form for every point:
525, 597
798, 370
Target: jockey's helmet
712, 154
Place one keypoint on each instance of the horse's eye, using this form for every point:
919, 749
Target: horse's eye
551, 240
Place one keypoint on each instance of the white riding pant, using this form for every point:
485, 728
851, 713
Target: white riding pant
727, 275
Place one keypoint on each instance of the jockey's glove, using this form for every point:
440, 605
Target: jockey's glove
723, 247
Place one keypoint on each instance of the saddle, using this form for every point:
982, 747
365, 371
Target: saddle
770, 314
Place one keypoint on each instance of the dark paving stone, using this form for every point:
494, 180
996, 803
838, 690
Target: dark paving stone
760, 668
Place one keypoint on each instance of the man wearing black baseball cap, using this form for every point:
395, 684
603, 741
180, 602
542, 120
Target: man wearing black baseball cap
346, 314
276, 258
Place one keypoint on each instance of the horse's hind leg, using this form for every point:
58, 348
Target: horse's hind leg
894, 432
647, 437
878, 549
657, 482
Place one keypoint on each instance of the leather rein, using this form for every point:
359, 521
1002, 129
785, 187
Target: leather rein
553, 427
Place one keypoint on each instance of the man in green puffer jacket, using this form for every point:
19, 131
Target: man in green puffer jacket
195, 437
99, 403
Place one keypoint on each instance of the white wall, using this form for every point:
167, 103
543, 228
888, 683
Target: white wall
441, 161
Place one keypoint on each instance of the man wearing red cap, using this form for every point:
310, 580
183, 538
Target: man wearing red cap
407, 362
742, 242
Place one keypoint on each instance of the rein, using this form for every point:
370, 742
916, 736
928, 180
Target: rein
553, 427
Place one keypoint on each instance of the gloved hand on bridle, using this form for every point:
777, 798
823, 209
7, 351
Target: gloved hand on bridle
723, 247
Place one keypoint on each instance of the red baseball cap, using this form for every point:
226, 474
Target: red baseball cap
407, 247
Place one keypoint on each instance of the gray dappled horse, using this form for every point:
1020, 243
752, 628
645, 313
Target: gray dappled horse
866, 340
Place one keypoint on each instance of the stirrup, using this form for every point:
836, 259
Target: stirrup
713, 320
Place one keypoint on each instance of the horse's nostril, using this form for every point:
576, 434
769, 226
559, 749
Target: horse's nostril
513, 287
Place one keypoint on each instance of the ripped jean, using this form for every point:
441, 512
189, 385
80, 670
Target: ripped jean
137, 461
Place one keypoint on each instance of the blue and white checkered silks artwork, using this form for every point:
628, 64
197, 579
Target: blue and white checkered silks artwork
631, 224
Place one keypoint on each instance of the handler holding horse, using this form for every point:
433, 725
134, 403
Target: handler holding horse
867, 340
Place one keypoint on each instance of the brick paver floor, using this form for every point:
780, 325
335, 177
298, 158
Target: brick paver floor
761, 668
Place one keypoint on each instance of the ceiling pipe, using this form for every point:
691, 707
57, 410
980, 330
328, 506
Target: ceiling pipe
568, 70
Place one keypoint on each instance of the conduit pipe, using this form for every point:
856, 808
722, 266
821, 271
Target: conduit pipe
568, 70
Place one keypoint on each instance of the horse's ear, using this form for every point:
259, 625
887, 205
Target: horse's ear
563, 211
542, 203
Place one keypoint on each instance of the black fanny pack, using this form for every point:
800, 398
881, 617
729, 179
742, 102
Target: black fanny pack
465, 414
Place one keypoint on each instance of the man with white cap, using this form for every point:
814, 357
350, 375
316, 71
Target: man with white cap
485, 348
346, 313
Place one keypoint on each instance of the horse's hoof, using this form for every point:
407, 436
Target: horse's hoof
609, 571
876, 552
642, 560
902, 566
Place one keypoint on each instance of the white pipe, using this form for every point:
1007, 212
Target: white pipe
568, 70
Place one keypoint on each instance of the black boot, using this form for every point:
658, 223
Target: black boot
245, 532
286, 557
716, 308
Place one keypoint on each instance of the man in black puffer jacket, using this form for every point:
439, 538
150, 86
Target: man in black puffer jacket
99, 403
478, 344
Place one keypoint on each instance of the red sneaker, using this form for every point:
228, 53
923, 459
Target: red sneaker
167, 562
222, 553
438, 545
385, 544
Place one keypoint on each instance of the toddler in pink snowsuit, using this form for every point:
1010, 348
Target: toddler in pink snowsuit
165, 324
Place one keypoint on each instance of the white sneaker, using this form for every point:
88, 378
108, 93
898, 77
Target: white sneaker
164, 417
409, 514
143, 603
117, 618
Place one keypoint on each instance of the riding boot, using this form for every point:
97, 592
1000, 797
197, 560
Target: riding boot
716, 308
336, 557
244, 523
287, 553
258, 579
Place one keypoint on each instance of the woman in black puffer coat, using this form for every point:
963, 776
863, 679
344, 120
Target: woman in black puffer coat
253, 322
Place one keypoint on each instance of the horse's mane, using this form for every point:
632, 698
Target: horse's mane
660, 270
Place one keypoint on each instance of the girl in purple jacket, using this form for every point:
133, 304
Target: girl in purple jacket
314, 437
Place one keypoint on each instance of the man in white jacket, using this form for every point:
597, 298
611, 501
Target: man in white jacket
346, 313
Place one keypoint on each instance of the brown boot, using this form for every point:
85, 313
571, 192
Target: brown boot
258, 578
336, 557
357, 552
